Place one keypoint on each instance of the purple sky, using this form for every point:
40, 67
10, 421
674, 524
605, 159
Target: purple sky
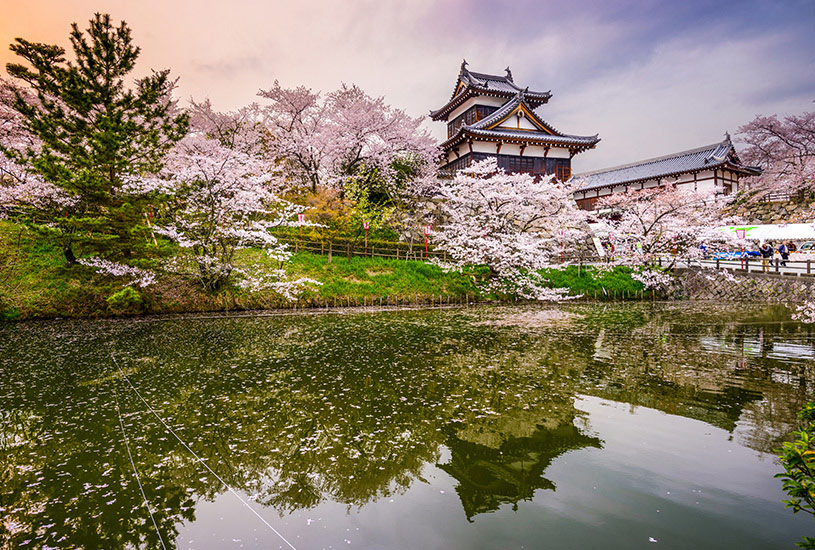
650, 77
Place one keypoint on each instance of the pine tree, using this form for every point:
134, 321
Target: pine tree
93, 135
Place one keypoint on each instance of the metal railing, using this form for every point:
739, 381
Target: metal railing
751, 264
784, 196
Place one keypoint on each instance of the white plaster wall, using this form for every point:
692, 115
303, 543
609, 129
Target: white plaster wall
514, 122
558, 153
509, 149
478, 100
514, 149
479, 147
705, 186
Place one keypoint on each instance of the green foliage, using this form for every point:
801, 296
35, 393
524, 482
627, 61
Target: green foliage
375, 210
7, 311
798, 459
38, 284
378, 277
588, 281
127, 301
94, 132
332, 211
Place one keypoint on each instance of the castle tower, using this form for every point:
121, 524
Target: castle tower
491, 116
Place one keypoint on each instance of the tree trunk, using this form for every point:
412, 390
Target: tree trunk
69, 256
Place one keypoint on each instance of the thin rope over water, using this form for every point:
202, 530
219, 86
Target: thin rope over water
198, 458
133, 464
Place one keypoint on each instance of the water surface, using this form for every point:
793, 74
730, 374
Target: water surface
620, 426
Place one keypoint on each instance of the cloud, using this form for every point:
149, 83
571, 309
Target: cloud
650, 77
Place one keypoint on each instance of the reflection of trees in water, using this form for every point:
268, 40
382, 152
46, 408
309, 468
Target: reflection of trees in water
349, 412
66, 481
727, 370
297, 411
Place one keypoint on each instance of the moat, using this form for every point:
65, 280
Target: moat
581, 426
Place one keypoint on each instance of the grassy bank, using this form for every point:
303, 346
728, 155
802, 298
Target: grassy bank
605, 285
35, 283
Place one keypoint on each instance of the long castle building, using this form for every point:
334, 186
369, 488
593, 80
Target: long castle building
714, 169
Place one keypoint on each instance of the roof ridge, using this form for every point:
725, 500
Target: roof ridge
712, 146
488, 76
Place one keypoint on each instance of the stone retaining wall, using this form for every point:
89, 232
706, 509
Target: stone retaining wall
708, 284
774, 212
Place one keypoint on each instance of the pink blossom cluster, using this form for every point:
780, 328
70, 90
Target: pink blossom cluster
653, 278
139, 277
805, 312
223, 192
784, 149
276, 281
723, 274
18, 185
346, 135
647, 224
513, 223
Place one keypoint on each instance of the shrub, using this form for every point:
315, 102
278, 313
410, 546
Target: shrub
798, 459
127, 301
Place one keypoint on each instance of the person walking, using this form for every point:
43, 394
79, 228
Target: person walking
784, 250
766, 252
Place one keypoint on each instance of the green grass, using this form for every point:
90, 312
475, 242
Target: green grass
35, 282
364, 276
587, 281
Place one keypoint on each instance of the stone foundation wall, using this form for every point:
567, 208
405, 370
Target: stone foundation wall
708, 284
774, 212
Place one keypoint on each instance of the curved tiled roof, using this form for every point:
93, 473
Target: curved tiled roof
482, 128
523, 135
693, 160
485, 84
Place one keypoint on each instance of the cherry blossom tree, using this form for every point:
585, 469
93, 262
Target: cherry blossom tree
20, 187
223, 193
646, 225
510, 223
346, 136
785, 150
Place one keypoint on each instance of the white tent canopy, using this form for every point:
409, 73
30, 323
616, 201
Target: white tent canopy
777, 232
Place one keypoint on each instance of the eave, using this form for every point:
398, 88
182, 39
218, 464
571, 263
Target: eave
740, 169
573, 143
533, 99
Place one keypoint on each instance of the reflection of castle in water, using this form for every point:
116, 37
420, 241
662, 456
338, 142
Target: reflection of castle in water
489, 477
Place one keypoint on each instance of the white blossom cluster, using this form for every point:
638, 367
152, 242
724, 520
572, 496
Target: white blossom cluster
672, 223
275, 281
348, 134
139, 277
653, 278
223, 192
723, 274
515, 224
805, 312
18, 185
